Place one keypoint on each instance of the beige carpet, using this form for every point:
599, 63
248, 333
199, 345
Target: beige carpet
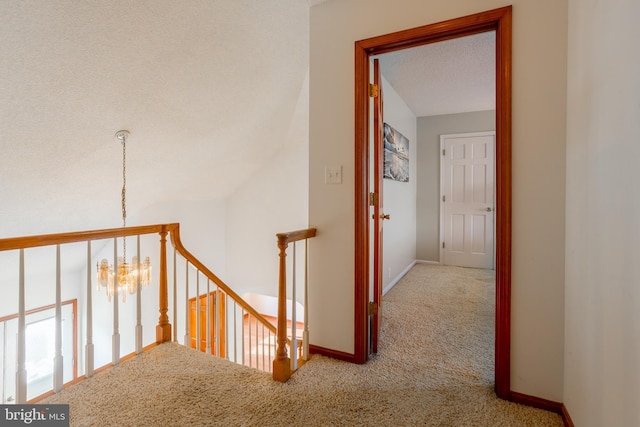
434, 368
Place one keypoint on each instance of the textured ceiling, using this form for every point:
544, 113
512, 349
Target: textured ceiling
209, 90
453, 76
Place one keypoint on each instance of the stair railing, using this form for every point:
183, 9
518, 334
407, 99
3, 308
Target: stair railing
21, 244
231, 328
283, 365
225, 324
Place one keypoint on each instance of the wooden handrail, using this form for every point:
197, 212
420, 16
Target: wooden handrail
173, 229
176, 242
294, 236
13, 243
163, 329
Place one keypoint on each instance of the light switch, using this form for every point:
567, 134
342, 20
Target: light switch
333, 174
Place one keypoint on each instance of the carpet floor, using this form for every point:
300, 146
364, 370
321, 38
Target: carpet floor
434, 368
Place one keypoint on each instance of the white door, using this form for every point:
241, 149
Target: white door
467, 187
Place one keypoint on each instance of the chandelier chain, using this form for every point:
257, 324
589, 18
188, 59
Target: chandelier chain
124, 192
125, 277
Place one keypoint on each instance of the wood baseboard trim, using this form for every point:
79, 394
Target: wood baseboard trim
334, 354
566, 418
536, 402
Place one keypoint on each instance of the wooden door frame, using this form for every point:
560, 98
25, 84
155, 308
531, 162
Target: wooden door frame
498, 20
378, 212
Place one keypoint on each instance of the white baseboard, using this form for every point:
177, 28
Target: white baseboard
398, 277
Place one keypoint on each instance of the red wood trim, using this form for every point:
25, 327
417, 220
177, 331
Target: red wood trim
80, 236
334, 354
361, 199
536, 402
432, 33
499, 20
75, 338
503, 199
566, 418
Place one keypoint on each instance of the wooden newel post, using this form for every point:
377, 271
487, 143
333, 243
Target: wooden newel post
282, 363
163, 329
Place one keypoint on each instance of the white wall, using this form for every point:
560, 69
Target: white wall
202, 227
399, 241
428, 205
273, 201
602, 296
539, 80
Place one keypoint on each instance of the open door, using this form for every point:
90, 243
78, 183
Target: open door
375, 297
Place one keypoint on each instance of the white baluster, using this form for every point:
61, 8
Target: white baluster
208, 326
305, 333
294, 338
197, 302
175, 298
57, 360
226, 327
89, 346
269, 365
257, 352
187, 337
115, 339
21, 372
242, 334
216, 324
263, 352
235, 333
138, 301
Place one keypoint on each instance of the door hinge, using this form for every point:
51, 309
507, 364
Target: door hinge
444, 198
373, 199
442, 245
373, 90
373, 308
443, 151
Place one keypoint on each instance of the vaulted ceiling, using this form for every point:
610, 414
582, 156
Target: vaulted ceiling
209, 89
206, 88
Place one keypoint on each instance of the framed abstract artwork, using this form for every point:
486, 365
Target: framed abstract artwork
396, 155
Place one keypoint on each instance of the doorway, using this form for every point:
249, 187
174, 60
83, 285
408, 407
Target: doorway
498, 20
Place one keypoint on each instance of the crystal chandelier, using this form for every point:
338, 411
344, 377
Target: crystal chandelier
128, 276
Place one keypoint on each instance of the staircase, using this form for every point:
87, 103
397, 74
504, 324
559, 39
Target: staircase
194, 307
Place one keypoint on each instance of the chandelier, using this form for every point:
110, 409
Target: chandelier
128, 276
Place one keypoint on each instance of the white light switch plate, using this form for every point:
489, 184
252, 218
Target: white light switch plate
333, 174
